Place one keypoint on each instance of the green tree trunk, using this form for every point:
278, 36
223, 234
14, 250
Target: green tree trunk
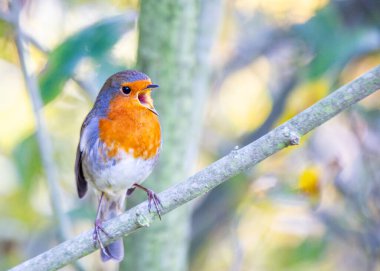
175, 40
167, 30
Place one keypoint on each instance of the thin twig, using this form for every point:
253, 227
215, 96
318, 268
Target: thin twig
35, 43
218, 172
44, 142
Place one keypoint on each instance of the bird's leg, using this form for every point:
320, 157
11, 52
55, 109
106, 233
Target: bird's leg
98, 228
152, 197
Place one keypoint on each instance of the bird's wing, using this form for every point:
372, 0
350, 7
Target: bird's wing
88, 135
80, 179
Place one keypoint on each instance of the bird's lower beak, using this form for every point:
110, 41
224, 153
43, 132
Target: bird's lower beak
146, 100
153, 110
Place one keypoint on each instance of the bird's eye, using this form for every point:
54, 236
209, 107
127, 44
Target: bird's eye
125, 90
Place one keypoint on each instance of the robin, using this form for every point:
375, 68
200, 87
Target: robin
120, 141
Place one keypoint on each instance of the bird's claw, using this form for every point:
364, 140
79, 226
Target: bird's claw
96, 236
153, 198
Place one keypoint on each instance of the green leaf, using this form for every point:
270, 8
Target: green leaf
310, 250
28, 161
333, 43
94, 41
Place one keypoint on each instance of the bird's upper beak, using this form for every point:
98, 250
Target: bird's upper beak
152, 86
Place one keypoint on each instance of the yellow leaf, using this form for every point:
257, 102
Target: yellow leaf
309, 181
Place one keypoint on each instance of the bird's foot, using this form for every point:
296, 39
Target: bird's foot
98, 228
152, 200
152, 197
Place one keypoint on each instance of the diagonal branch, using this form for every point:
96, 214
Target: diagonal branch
218, 172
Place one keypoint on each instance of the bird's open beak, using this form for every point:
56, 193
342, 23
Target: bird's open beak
150, 107
146, 100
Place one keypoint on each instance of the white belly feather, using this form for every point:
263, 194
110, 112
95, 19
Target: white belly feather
116, 176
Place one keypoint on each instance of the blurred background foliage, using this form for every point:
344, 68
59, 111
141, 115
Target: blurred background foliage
311, 207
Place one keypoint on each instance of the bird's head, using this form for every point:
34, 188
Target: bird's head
127, 89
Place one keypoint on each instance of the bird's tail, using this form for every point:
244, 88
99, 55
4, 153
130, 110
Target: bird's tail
111, 207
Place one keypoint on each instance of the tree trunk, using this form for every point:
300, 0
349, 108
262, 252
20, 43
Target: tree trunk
173, 42
167, 30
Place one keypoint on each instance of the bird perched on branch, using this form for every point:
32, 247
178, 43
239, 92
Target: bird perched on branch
120, 141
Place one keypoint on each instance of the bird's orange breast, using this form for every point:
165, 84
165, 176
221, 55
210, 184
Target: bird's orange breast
132, 128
